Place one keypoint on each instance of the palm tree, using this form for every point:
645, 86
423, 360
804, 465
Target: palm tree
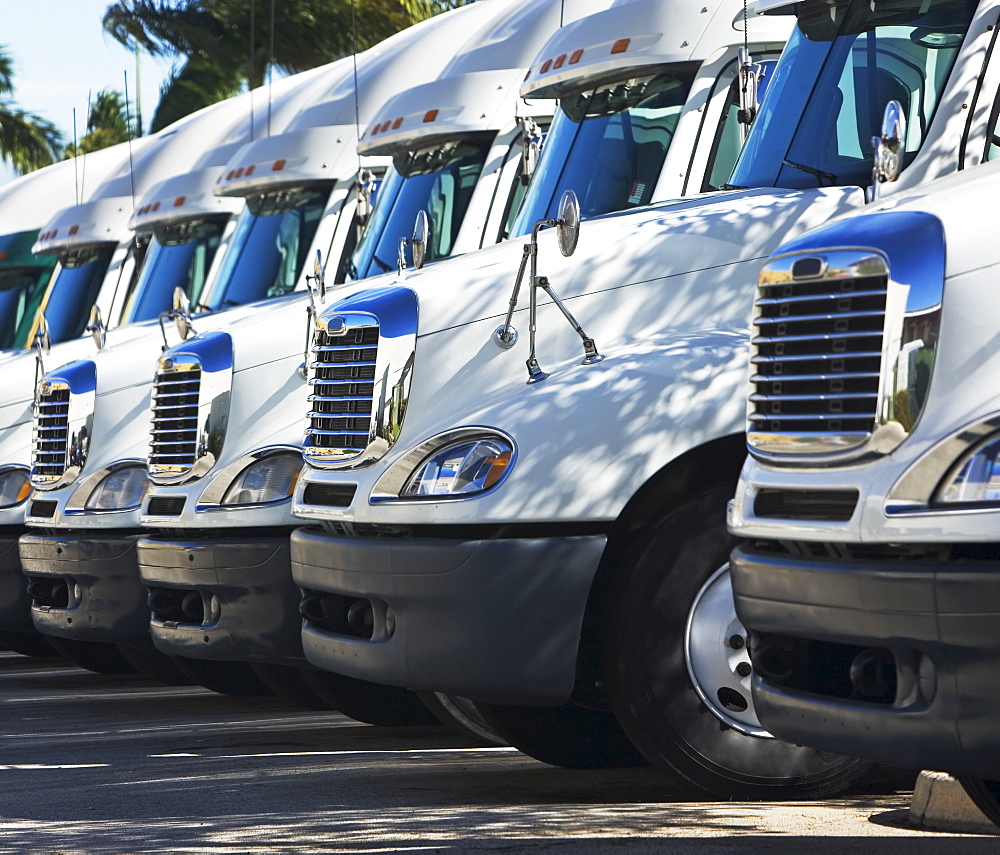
27, 141
222, 44
109, 123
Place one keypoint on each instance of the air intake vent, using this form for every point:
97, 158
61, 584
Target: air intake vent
190, 408
165, 506
63, 421
329, 495
42, 509
359, 377
816, 356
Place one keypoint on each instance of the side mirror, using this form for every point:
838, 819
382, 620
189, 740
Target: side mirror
96, 327
568, 226
531, 143
889, 147
43, 338
318, 277
182, 313
421, 234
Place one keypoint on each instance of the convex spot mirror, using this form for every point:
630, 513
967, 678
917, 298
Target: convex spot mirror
96, 327
889, 144
568, 226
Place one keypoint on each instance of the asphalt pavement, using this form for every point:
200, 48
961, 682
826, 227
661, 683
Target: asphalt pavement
101, 764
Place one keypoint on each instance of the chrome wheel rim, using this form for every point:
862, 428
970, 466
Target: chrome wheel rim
715, 649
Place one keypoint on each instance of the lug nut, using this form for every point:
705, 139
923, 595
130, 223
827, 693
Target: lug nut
736, 642
744, 669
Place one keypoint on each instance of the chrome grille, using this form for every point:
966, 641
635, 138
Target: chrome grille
343, 390
173, 446
50, 435
816, 354
62, 424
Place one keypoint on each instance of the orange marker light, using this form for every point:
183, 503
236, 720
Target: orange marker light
498, 467
576, 56
397, 123
278, 165
180, 200
250, 169
74, 229
620, 46
430, 115
560, 61
545, 66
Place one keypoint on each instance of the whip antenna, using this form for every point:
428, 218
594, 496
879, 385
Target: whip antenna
76, 165
250, 67
270, 70
128, 134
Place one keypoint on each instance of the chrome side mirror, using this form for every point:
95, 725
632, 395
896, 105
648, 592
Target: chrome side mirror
749, 77
42, 345
421, 234
889, 147
568, 227
318, 277
96, 327
182, 314
365, 188
531, 144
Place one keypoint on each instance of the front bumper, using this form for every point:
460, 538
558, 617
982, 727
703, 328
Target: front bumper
223, 599
86, 586
494, 620
15, 604
928, 629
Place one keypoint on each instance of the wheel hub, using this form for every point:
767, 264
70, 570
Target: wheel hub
718, 663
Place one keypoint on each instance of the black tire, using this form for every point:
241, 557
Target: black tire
235, 679
98, 656
570, 736
461, 716
32, 644
986, 796
290, 683
700, 743
371, 703
154, 665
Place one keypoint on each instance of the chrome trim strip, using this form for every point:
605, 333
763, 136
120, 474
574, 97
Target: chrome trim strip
62, 424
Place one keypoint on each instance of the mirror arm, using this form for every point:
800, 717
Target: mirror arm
590, 352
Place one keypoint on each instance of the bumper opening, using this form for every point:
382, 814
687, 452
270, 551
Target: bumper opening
50, 592
352, 617
184, 607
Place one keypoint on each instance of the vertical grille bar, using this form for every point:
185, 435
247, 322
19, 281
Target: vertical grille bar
173, 444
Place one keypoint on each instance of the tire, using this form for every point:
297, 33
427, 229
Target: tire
986, 796
461, 716
235, 679
154, 665
570, 736
371, 703
98, 656
289, 683
671, 670
32, 644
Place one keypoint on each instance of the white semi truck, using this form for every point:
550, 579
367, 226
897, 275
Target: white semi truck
301, 192
228, 591
543, 527
868, 573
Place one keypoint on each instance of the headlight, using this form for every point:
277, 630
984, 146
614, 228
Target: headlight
119, 490
14, 487
461, 469
975, 479
270, 479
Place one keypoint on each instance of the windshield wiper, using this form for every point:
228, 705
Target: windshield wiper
821, 176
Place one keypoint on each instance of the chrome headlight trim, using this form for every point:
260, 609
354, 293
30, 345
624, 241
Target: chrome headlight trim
908, 255
360, 376
62, 424
389, 486
188, 427
77, 502
213, 495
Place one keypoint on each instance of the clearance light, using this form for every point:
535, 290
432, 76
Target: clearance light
430, 115
620, 46
560, 61
239, 172
576, 56
278, 165
250, 169
384, 128
74, 229
156, 206
545, 66
180, 200
397, 123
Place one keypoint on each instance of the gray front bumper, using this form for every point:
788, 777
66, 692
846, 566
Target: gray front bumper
106, 600
249, 604
493, 620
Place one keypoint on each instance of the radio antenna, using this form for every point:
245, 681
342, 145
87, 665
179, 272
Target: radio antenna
76, 165
250, 66
83, 166
128, 132
270, 70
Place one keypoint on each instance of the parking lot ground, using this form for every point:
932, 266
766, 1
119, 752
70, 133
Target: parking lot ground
99, 764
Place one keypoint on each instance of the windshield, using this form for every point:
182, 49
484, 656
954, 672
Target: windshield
440, 180
829, 91
179, 255
269, 247
75, 290
23, 277
607, 145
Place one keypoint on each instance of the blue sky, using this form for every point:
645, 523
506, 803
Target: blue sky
60, 53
